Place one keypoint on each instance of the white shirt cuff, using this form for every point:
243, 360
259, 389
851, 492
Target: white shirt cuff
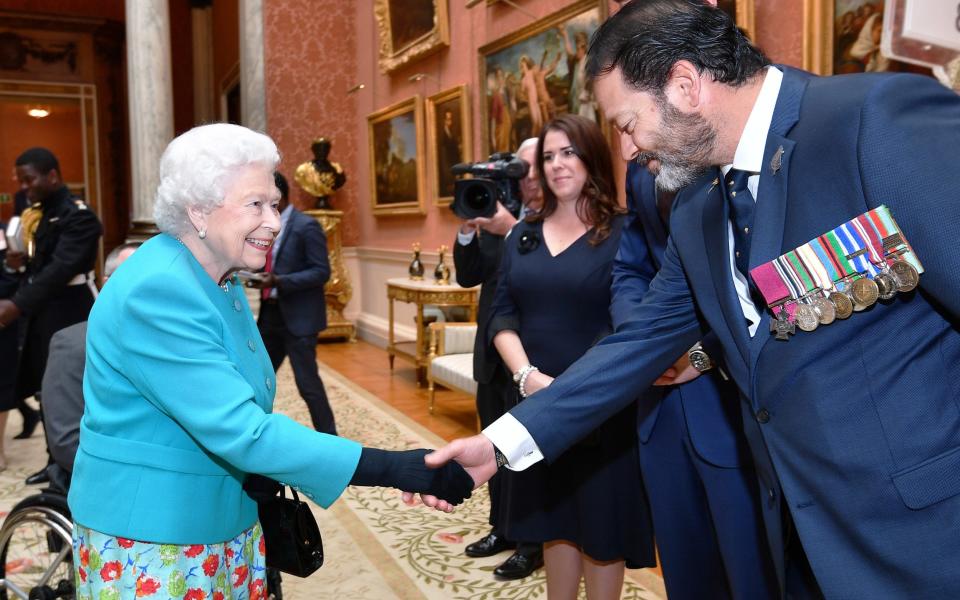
464, 239
514, 441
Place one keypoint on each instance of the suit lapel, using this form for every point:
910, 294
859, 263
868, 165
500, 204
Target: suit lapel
770, 217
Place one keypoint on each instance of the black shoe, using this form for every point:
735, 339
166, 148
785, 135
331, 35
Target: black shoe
488, 545
519, 565
30, 422
38, 477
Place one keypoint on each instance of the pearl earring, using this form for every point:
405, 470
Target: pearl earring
202, 234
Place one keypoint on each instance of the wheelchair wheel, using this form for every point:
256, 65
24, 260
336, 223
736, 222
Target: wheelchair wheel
36, 550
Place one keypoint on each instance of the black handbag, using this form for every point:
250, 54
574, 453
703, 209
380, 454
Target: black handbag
290, 532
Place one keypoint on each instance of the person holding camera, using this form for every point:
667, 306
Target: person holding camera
476, 256
551, 305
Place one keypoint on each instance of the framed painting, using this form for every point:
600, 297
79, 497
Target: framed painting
448, 138
843, 36
536, 73
396, 158
410, 29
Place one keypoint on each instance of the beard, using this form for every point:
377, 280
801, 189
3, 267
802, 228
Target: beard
685, 142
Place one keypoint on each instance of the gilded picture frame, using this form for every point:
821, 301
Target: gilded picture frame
510, 75
843, 36
410, 30
449, 139
397, 171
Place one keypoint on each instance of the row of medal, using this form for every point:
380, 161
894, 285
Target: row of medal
845, 270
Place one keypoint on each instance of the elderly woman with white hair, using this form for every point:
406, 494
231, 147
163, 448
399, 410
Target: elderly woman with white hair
179, 392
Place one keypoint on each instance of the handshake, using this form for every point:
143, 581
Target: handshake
444, 478
441, 487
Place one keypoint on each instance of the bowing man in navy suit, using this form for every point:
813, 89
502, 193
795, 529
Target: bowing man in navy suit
696, 464
293, 309
854, 427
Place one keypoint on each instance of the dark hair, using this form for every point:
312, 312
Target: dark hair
597, 204
647, 37
281, 182
41, 159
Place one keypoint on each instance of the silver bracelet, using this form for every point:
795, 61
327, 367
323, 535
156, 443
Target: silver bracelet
522, 386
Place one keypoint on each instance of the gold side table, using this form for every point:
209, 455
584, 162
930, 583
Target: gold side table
337, 290
422, 293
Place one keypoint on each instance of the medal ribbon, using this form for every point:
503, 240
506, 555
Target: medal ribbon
852, 241
811, 260
770, 283
890, 226
838, 255
828, 258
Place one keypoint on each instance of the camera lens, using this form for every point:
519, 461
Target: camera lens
477, 198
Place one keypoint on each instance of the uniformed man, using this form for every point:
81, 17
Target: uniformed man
57, 286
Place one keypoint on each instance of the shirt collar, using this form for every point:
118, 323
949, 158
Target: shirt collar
753, 140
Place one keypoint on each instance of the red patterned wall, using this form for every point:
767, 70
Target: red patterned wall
310, 62
316, 50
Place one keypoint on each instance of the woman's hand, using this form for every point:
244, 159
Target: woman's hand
535, 382
445, 485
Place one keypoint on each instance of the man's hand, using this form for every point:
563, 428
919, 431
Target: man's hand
681, 372
9, 312
499, 224
15, 259
475, 454
263, 280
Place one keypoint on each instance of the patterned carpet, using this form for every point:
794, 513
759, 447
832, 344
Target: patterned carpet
376, 547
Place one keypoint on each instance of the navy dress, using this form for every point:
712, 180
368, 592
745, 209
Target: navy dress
593, 494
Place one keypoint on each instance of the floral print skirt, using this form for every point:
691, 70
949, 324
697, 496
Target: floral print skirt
115, 568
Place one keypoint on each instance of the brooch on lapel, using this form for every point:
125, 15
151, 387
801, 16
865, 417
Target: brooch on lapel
777, 161
528, 242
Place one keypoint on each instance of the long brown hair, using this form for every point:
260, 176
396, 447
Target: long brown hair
597, 204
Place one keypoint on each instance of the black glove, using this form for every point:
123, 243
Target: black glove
405, 470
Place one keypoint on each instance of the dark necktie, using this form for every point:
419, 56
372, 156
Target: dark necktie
742, 206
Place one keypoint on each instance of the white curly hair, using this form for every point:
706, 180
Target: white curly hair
196, 166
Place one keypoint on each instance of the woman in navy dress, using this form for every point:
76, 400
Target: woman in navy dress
551, 306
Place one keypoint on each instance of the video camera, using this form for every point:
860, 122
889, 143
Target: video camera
496, 180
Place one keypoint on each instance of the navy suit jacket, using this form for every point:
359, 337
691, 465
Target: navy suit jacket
302, 267
857, 424
711, 405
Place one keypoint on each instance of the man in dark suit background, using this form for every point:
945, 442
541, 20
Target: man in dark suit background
854, 428
476, 257
57, 287
697, 468
293, 309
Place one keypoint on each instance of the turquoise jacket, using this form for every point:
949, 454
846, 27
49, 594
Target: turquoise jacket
179, 392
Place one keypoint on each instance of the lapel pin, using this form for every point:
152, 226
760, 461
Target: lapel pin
713, 184
777, 161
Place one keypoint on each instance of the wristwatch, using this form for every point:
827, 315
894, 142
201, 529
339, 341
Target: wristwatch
699, 358
501, 459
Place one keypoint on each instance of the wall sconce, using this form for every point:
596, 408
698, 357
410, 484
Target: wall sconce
356, 88
38, 111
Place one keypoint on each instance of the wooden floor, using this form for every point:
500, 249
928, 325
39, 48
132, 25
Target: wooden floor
455, 413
